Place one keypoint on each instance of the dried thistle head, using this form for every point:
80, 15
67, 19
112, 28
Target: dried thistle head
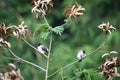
4, 43
109, 68
12, 73
20, 30
106, 27
5, 33
40, 7
75, 11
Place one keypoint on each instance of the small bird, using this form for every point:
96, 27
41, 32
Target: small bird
81, 54
42, 49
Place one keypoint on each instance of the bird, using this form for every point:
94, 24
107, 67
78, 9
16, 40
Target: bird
81, 54
42, 48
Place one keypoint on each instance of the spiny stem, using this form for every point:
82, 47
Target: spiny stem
33, 47
25, 60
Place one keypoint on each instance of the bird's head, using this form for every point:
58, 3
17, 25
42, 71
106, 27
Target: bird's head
39, 44
83, 51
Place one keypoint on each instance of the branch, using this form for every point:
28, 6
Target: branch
8, 57
63, 68
33, 47
50, 45
38, 29
47, 67
25, 60
46, 22
66, 22
101, 46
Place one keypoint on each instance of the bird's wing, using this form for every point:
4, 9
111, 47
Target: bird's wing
45, 48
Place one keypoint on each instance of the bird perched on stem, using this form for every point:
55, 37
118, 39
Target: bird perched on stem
81, 54
42, 48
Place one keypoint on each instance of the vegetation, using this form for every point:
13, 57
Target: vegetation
65, 27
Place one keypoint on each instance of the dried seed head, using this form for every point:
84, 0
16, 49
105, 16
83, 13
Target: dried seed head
20, 30
75, 11
11, 74
109, 68
5, 33
40, 7
4, 43
106, 27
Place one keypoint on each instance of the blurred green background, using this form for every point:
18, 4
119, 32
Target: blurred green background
82, 34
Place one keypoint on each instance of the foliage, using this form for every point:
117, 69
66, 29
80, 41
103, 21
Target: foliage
81, 34
86, 74
58, 30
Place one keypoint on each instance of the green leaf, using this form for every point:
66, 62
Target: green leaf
87, 74
58, 30
44, 34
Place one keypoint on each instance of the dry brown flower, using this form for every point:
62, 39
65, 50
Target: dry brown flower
75, 11
20, 30
109, 68
5, 33
106, 27
40, 7
12, 73
4, 43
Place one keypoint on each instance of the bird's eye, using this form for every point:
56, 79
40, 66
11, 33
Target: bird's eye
84, 51
39, 44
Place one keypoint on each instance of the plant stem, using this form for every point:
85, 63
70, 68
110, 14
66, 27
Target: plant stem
63, 68
49, 52
48, 60
46, 22
8, 57
38, 29
101, 46
25, 60
33, 47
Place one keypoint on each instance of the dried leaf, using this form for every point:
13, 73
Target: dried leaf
113, 52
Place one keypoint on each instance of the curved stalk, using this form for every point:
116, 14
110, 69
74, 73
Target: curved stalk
25, 60
8, 57
101, 46
63, 68
33, 47
46, 22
